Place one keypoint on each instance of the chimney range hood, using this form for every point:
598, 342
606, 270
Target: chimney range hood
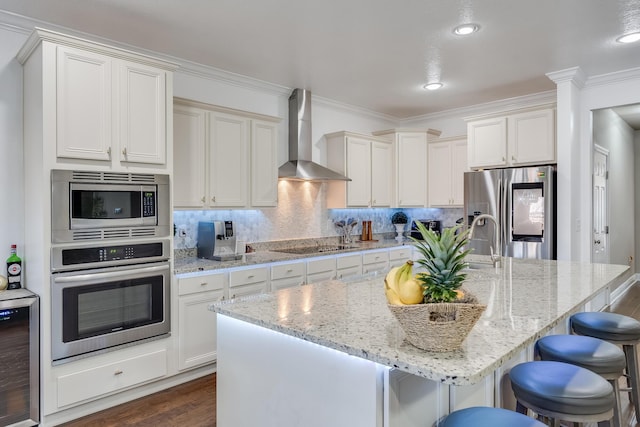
300, 167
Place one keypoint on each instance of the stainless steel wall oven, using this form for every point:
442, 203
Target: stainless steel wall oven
107, 296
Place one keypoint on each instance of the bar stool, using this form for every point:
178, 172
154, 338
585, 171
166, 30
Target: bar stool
596, 355
484, 416
617, 329
561, 391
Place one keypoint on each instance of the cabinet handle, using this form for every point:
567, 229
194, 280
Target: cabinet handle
118, 372
203, 199
233, 296
504, 159
203, 284
289, 270
213, 199
513, 158
250, 276
374, 201
124, 151
109, 151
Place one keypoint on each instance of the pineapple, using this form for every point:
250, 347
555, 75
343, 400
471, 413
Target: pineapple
443, 257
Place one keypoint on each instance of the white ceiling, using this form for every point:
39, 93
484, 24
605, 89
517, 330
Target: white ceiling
375, 54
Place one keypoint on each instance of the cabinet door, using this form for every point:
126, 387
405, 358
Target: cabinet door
440, 173
381, 174
412, 169
487, 142
264, 164
142, 112
359, 170
197, 329
188, 157
228, 161
83, 102
458, 168
532, 137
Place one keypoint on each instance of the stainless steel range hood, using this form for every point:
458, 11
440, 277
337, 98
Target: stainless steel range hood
300, 167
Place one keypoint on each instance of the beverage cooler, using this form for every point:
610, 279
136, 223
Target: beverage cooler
19, 358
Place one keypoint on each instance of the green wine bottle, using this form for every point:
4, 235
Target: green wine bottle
14, 269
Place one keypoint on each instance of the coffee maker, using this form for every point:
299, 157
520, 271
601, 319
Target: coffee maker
217, 241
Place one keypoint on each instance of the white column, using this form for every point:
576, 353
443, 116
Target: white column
571, 219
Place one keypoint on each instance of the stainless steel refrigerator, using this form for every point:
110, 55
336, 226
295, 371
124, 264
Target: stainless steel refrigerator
523, 202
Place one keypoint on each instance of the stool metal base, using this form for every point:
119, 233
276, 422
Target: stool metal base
603, 419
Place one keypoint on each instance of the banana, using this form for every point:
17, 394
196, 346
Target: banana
392, 297
404, 273
390, 280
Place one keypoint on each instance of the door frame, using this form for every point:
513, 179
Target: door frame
607, 256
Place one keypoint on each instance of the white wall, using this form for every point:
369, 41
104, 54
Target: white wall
614, 134
637, 197
11, 159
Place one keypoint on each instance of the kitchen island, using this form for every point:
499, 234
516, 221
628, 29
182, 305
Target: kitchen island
332, 353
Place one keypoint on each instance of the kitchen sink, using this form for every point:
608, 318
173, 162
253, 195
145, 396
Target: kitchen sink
305, 250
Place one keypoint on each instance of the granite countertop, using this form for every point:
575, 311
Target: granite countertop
194, 264
525, 299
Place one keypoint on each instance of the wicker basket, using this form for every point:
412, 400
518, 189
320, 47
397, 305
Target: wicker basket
427, 326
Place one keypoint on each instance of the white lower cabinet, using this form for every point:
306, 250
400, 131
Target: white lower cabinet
287, 275
196, 323
375, 262
398, 256
321, 269
110, 377
348, 266
248, 281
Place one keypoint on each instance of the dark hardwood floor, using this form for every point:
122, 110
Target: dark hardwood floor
194, 404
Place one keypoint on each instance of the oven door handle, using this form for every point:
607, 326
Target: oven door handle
94, 277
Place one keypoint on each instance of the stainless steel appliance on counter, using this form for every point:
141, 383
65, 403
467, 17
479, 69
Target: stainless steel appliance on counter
19, 358
523, 202
431, 224
107, 296
217, 241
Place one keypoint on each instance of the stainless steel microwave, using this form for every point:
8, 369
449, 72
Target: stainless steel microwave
91, 205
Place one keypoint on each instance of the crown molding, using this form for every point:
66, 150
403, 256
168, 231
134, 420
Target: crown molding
616, 77
353, 108
502, 105
574, 75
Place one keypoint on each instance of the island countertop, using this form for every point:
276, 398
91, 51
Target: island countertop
525, 299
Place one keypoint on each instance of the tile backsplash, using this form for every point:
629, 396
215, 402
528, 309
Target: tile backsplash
301, 213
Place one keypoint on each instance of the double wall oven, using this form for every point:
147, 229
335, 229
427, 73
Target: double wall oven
110, 268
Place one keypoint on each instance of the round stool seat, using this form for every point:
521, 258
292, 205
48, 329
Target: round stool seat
483, 416
594, 354
561, 388
606, 326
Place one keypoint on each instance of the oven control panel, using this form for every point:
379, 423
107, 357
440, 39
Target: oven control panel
94, 256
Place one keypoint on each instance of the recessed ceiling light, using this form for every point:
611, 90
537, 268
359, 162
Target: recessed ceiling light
629, 38
433, 86
466, 29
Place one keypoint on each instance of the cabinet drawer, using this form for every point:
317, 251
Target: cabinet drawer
344, 273
379, 267
400, 254
375, 257
348, 261
282, 271
321, 265
112, 377
201, 283
322, 276
245, 290
248, 276
287, 282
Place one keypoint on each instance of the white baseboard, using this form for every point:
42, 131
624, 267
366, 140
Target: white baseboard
621, 290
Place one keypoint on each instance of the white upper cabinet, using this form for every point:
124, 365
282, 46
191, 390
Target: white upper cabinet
142, 108
368, 162
410, 165
228, 160
525, 137
98, 105
189, 158
223, 159
447, 165
264, 164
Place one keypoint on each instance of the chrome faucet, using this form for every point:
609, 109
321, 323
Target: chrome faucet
495, 256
